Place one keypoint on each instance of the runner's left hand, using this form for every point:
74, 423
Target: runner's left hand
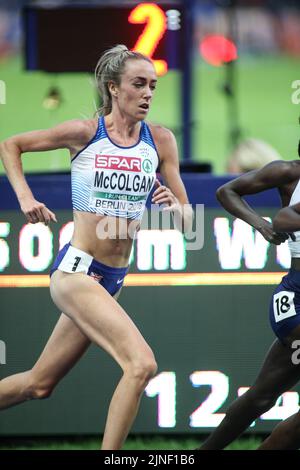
163, 195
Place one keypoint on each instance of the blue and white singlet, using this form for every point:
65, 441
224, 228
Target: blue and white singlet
112, 180
294, 246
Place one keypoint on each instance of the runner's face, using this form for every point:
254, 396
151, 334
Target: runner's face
135, 92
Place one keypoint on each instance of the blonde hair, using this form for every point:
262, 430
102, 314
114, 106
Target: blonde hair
109, 68
251, 154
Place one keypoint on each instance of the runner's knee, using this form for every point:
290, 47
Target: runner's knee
37, 389
262, 400
143, 369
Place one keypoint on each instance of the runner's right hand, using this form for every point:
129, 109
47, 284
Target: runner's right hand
36, 211
274, 237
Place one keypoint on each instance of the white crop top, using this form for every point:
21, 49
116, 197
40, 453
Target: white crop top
112, 180
295, 246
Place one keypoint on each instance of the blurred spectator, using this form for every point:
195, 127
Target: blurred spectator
251, 154
10, 32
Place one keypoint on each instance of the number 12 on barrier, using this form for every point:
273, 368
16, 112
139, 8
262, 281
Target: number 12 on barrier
164, 387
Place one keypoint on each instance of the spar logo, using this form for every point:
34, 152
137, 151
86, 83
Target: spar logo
115, 162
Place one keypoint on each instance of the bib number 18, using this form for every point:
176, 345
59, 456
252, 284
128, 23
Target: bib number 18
283, 305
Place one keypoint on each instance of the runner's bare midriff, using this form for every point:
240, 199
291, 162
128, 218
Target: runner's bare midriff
113, 249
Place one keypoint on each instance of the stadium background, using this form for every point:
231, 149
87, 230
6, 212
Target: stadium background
185, 325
